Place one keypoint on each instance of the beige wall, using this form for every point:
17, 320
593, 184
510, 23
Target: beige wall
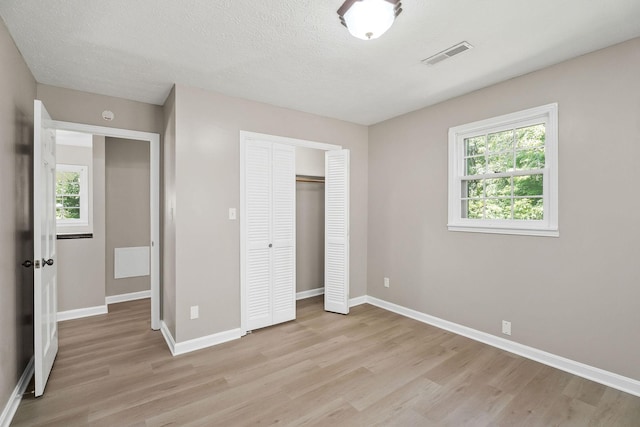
17, 92
81, 107
309, 236
207, 253
127, 166
81, 262
309, 161
575, 296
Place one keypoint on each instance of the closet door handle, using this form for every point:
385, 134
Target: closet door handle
270, 245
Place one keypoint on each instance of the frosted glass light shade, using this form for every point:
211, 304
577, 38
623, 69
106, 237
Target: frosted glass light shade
369, 19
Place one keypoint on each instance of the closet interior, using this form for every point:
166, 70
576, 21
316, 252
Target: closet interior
310, 211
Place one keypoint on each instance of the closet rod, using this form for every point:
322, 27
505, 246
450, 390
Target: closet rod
309, 178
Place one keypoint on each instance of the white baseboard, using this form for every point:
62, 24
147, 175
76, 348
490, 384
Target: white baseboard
81, 312
132, 296
166, 333
16, 397
198, 343
357, 301
619, 382
310, 293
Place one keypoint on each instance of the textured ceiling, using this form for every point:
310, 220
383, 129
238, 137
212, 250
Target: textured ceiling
295, 53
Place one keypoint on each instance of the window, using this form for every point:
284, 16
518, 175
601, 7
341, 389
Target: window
503, 174
72, 201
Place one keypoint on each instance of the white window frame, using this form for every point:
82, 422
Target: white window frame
71, 225
548, 226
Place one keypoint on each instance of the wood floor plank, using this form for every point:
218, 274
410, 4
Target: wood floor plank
369, 368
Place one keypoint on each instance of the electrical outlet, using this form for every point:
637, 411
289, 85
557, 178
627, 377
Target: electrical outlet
386, 282
194, 312
506, 327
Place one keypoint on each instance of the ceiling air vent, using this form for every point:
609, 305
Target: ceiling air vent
447, 53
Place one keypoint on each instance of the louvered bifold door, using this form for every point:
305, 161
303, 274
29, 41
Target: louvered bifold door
257, 217
284, 233
336, 255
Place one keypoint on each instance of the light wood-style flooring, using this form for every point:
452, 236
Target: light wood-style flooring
369, 368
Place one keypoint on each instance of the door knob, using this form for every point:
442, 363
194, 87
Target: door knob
270, 245
47, 261
27, 263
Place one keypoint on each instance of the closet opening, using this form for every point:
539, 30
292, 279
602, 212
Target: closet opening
310, 217
294, 227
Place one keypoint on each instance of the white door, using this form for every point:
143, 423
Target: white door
268, 224
45, 305
284, 233
336, 250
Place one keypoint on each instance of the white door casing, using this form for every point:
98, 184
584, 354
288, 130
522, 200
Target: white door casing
44, 247
268, 217
336, 240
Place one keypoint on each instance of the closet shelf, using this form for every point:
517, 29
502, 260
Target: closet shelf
309, 178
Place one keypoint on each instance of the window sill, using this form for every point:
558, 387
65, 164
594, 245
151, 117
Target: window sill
70, 236
497, 230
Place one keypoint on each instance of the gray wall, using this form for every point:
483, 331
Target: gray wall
127, 207
17, 92
207, 182
309, 221
575, 296
309, 236
81, 262
81, 107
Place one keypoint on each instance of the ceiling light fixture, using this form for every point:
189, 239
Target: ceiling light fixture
369, 19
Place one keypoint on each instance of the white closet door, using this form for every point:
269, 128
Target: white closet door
257, 217
284, 233
336, 254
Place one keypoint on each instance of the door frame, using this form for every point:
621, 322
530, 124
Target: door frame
257, 137
154, 197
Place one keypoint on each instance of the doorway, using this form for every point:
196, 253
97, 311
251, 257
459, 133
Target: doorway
154, 198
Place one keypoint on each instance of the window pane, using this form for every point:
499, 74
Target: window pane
71, 202
500, 163
474, 146
71, 213
528, 209
528, 185
531, 136
67, 183
530, 159
473, 209
472, 188
500, 141
498, 209
476, 165
498, 187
